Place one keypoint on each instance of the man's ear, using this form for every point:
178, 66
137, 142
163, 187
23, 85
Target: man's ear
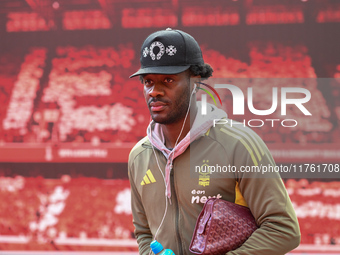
195, 80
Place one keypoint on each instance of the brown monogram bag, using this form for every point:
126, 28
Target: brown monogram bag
222, 226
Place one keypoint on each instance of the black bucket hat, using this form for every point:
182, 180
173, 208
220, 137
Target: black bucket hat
169, 52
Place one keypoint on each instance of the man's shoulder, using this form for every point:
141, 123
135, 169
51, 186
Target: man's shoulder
139, 147
238, 139
233, 133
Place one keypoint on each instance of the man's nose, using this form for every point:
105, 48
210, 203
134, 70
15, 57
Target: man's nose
156, 90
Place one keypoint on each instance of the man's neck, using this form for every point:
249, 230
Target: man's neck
172, 131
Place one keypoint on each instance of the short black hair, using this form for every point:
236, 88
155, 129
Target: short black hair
204, 70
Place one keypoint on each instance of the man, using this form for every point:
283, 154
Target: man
166, 199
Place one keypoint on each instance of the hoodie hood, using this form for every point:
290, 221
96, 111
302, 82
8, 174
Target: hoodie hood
201, 125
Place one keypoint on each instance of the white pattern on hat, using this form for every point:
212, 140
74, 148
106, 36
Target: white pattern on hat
171, 50
161, 50
145, 52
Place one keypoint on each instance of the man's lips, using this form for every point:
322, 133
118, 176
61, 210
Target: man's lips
157, 106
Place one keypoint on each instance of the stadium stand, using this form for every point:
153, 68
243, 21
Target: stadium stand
20, 106
87, 96
316, 205
336, 95
46, 209
94, 98
275, 65
9, 69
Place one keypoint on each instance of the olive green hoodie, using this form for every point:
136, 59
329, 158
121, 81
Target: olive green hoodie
217, 148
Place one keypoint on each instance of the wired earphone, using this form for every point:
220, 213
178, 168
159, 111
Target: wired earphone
171, 154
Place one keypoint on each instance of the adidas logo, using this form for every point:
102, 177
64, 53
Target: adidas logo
148, 178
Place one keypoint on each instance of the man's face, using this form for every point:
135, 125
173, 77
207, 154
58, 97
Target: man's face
167, 96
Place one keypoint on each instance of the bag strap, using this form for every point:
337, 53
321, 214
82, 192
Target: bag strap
206, 216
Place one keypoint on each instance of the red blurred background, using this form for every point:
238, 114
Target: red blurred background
69, 114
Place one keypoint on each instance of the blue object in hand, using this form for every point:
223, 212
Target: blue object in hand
158, 249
